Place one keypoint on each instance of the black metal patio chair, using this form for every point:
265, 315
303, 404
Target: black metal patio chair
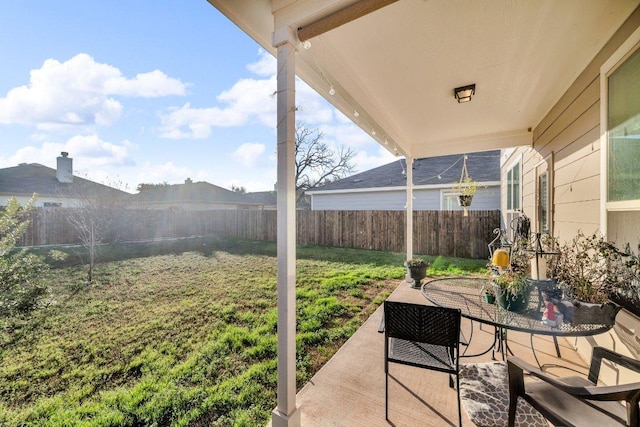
577, 401
422, 336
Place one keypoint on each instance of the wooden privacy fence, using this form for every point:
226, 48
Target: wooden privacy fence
447, 233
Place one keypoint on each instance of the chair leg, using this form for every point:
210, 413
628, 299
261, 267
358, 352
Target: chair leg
386, 394
555, 342
459, 410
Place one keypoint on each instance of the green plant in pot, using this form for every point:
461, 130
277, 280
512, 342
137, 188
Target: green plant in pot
590, 269
512, 291
417, 269
465, 189
489, 295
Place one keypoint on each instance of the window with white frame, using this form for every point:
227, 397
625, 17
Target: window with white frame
514, 177
620, 145
513, 187
450, 201
543, 196
623, 125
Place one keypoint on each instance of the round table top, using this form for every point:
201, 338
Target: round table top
466, 294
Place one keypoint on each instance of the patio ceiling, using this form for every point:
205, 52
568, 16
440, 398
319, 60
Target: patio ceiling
397, 66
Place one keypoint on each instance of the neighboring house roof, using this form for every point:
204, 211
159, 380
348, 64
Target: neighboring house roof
29, 178
194, 192
442, 170
265, 198
270, 198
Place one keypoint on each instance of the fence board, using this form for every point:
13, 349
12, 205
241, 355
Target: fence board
447, 233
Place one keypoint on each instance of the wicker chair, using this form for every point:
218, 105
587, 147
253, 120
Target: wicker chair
422, 336
577, 401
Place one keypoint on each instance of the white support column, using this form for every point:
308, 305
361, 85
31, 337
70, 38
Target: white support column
286, 414
409, 237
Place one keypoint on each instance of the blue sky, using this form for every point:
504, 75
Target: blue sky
148, 91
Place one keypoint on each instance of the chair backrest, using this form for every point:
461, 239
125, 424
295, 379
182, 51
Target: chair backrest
422, 323
600, 353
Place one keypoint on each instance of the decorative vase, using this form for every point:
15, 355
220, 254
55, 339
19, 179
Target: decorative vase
490, 298
512, 302
579, 313
417, 273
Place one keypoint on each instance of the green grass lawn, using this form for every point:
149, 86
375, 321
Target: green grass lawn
183, 333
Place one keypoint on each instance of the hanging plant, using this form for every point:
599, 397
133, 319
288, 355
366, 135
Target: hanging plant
465, 188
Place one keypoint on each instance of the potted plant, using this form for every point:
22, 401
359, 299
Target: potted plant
628, 294
512, 290
417, 269
465, 189
489, 295
589, 270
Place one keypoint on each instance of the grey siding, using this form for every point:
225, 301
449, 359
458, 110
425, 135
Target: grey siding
425, 199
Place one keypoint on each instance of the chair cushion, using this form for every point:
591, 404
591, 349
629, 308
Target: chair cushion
484, 394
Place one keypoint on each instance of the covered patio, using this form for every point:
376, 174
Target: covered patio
428, 78
349, 390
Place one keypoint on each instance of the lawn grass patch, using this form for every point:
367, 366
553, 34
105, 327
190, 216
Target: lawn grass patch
181, 333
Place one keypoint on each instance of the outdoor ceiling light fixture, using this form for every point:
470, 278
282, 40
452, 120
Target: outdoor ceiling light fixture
464, 93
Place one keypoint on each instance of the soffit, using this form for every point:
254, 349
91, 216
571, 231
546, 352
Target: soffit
398, 65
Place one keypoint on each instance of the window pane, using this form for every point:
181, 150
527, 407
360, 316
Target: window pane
509, 186
516, 186
543, 197
624, 131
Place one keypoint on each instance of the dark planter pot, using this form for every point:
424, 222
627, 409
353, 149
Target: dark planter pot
582, 313
417, 274
490, 298
628, 302
513, 302
465, 201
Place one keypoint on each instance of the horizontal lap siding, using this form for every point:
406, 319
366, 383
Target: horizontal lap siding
486, 198
445, 233
571, 131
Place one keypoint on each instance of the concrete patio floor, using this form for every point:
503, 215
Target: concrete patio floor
349, 390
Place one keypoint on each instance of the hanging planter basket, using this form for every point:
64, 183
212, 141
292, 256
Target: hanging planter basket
465, 201
465, 188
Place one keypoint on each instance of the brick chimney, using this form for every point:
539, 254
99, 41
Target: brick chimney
64, 173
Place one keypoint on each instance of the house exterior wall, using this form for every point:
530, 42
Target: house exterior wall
487, 198
569, 138
41, 200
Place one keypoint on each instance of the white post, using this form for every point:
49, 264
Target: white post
286, 413
409, 237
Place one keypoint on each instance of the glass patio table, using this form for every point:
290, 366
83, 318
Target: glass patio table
466, 294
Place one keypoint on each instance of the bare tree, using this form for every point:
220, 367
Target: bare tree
95, 208
316, 162
145, 186
238, 189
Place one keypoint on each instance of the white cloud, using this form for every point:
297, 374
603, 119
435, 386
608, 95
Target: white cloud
248, 101
79, 92
151, 173
265, 66
366, 160
88, 152
146, 85
248, 154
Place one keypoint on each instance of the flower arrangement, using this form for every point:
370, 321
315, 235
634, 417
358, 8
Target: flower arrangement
511, 282
466, 187
415, 262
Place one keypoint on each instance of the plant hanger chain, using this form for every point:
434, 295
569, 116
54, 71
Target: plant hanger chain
464, 174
